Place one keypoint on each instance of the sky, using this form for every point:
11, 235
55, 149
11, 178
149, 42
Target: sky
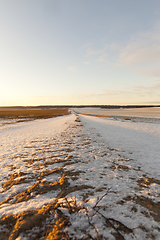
79, 52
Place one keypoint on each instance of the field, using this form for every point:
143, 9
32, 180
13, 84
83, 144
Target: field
31, 113
16, 115
151, 114
79, 177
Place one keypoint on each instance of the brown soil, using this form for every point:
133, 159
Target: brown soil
33, 113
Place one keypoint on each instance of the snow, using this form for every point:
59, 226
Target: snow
140, 141
152, 112
115, 161
16, 136
37, 202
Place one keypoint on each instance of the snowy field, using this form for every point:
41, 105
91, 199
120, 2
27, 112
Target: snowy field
80, 177
151, 114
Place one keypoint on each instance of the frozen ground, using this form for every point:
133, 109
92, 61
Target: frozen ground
80, 177
151, 114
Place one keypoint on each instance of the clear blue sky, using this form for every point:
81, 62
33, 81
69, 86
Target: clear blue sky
79, 52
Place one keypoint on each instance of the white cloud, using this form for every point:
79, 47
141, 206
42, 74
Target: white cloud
152, 72
142, 54
103, 52
72, 69
131, 95
102, 58
86, 63
148, 90
86, 45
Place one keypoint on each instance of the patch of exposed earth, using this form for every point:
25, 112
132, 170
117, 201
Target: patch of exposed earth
74, 187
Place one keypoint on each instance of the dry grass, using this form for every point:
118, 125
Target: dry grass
27, 220
33, 113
